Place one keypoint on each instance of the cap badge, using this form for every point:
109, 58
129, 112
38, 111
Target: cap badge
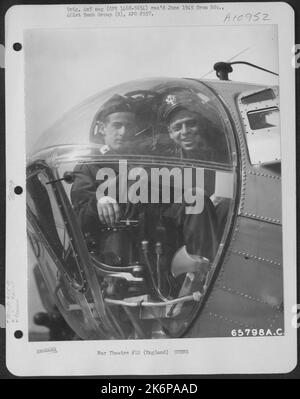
171, 99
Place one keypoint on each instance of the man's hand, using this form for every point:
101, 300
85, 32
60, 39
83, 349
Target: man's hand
108, 211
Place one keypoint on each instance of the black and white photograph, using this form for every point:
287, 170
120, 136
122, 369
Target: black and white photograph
156, 214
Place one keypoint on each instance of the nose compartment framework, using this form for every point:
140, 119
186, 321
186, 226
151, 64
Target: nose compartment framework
99, 310
86, 294
101, 324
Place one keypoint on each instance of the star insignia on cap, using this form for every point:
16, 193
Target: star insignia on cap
171, 99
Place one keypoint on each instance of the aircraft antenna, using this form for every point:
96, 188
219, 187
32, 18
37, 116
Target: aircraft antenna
232, 58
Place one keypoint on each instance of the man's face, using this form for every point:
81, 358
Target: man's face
118, 130
185, 130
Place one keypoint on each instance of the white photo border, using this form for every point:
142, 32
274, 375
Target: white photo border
207, 355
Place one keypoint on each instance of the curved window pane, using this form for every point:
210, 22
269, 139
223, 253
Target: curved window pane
154, 127
150, 182
43, 204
